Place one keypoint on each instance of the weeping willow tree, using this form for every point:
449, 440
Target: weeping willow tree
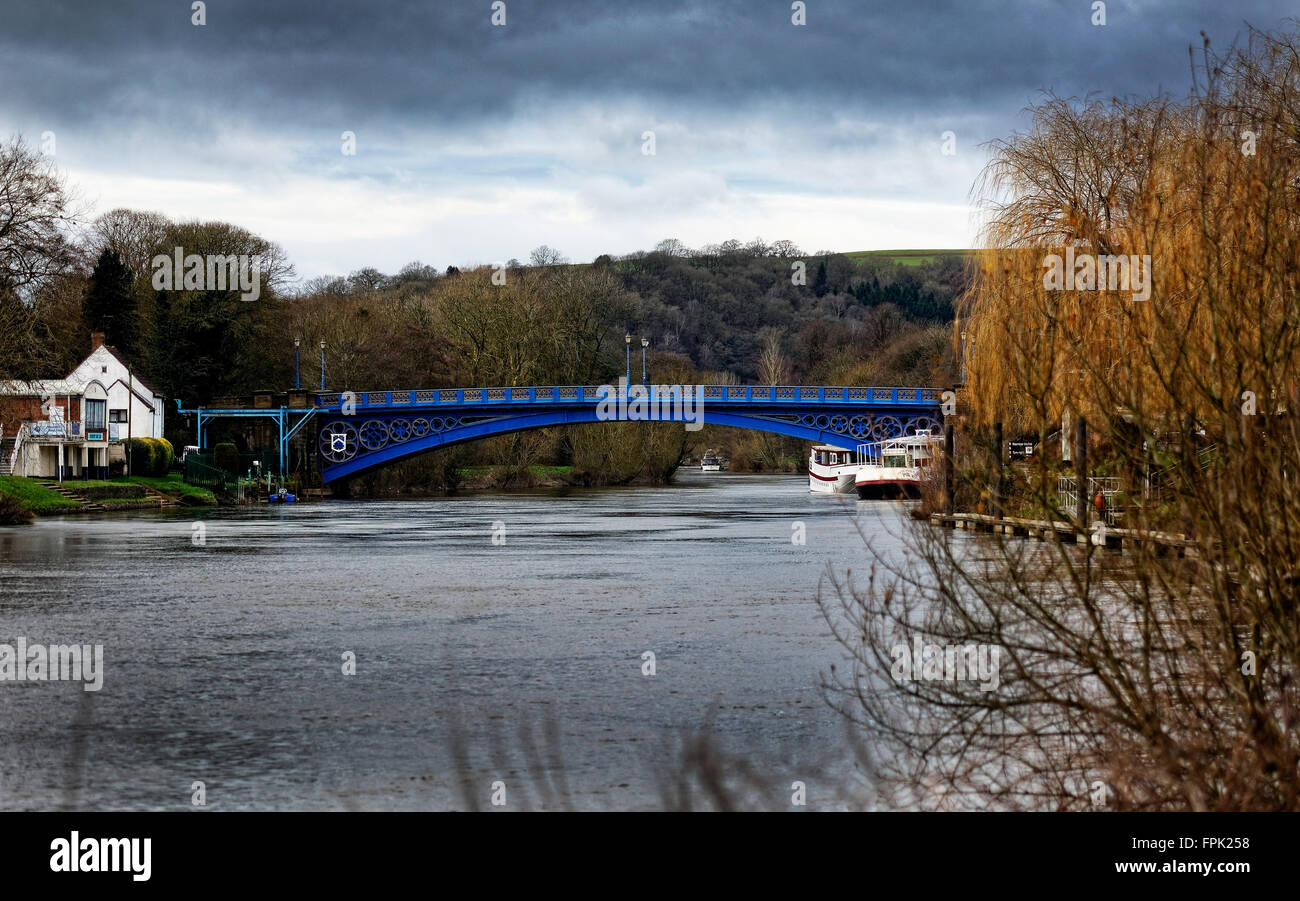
1147, 680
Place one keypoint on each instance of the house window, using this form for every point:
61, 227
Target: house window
117, 416
95, 411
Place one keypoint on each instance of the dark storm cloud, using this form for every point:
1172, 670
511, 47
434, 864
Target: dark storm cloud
304, 65
476, 143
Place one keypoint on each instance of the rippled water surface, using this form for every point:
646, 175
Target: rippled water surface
475, 662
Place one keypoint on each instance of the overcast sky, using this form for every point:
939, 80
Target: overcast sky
476, 143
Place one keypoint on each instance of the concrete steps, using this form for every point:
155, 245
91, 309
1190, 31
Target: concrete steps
6, 451
68, 490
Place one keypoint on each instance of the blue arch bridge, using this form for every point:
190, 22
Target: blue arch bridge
359, 431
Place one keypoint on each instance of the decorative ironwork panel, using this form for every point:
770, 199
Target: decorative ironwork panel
373, 434
338, 442
808, 393
447, 396
886, 427
907, 394
762, 394
400, 430
473, 394
785, 394
917, 423
568, 393
401, 397
426, 397
714, 391
859, 394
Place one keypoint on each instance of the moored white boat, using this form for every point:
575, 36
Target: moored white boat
712, 462
896, 467
831, 470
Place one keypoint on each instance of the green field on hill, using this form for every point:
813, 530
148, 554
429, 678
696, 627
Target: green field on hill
907, 257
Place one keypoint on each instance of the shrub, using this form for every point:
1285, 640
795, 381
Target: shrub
159, 457
141, 454
167, 455
226, 457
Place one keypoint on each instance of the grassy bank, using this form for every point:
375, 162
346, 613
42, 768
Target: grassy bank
22, 498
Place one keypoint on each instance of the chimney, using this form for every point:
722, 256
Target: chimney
96, 341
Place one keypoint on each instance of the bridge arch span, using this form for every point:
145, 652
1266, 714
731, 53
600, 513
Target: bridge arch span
351, 446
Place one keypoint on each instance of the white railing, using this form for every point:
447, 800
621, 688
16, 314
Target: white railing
1067, 489
18, 446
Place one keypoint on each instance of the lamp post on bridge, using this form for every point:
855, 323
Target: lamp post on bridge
322, 364
645, 342
297, 369
627, 340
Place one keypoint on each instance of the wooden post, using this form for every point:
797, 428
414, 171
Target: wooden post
949, 443
998, 487
1081, 472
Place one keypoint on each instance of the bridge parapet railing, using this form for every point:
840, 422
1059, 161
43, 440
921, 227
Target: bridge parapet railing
583, 394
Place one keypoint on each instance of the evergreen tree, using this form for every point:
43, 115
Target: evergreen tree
819, 281
110, 304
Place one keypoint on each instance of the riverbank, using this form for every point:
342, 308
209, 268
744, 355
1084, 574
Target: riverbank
22, 499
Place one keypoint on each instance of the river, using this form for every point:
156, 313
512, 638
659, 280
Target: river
511, 668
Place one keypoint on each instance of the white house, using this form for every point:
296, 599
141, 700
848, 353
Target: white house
75, 426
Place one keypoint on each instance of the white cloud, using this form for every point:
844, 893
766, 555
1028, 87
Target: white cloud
574, 179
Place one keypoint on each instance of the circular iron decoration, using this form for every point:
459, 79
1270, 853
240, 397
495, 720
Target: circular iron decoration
399, 429
338, 442
373, 434
860, 426
925, 422
886, 427
839, 424
419, 427
823, 422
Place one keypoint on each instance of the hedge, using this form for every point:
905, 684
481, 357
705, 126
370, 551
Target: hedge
143, 455
150, 456
169, 455
226, 456
95, 492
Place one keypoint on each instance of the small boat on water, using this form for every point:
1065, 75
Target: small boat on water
831, 470
281, 497
712, 462
898, 466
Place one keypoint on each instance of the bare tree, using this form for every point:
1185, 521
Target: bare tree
1164, 678
137, 236
545, 255
35, 218
773, 364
